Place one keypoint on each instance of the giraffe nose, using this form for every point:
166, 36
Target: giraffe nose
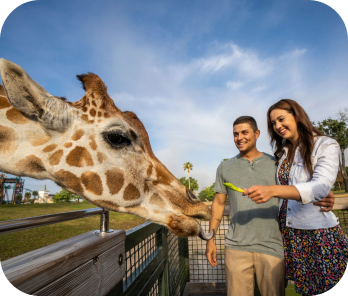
191, 196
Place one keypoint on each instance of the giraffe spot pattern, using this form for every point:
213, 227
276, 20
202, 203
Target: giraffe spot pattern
146, 187
93, 102
84, 109
149, 170
49, 148
79, 157
106, 115
84, 117
107, 204
99, 114
92, 112
163, 177
101, 157
93, 143
31, 164
69, 180
67, 144
114, 180
36, 138
55, 157
92, 182
131, 192
16, 116
155, 199
8, 140
4, 103
77, 135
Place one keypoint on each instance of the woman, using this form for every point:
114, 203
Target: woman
314, 245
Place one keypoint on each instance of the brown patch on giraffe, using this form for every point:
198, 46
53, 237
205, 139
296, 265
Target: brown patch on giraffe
84, 109
99, 114
55, 157
79, 157
93, 143
8, 140
101, 157
155, 199
163, 176
15, 116
93, 102
4, 103
67, 144
31, 164
92, 112
92, 182
114, 180
69, 180
182, 226
77, 135
146, 188
84, 117
36, 139
149, 170
107, 204
131, 192
49, 148
106, 115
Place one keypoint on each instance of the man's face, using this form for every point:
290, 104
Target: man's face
244, 137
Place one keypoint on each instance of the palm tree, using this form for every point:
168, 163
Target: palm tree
188, 166
35, 193
27, 196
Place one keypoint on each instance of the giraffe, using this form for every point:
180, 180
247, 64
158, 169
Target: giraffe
92, 149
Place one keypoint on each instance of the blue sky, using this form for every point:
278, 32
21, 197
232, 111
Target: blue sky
188, 69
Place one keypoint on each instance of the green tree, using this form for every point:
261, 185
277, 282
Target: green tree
188, 166
193, 182
27, 196
337, 129
18, 198
35, 194
64, 196
207, 194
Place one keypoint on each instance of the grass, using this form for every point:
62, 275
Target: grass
338, 191
14, 244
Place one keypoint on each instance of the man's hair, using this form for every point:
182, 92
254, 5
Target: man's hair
247, 119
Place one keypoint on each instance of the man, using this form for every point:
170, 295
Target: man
253, 241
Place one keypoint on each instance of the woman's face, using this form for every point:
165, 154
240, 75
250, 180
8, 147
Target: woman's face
284, 124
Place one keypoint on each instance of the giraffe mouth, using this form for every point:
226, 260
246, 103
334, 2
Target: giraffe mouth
206, 236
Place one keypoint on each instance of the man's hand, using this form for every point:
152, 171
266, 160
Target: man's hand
210, 253
326, 203
259, 193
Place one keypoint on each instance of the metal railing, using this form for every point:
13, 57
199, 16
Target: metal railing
11, 226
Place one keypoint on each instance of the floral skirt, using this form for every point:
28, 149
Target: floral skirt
314, 259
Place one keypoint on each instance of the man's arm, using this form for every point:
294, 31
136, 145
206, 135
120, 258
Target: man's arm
326, 203
217, 209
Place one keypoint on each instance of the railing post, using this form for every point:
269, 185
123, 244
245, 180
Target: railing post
162, 243
104, 222
184, 261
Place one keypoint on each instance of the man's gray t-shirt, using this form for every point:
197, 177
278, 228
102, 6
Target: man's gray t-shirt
254, 227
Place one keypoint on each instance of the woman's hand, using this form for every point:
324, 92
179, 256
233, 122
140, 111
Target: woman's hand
259, 193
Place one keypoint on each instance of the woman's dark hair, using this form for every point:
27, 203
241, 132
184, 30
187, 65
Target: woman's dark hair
305, 129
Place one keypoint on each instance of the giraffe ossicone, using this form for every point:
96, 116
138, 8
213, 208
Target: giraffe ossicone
91, 148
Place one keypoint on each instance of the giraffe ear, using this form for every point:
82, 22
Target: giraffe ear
32, 99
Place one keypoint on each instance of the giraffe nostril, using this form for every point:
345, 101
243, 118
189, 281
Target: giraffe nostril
192, 197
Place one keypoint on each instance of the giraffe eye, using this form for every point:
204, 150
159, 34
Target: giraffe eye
116, 139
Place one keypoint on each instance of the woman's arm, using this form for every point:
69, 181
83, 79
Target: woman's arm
261, 193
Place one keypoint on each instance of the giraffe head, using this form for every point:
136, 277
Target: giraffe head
91, 148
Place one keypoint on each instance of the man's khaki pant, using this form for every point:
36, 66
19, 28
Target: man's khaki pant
241, 267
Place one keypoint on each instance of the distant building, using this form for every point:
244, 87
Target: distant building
44, 196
